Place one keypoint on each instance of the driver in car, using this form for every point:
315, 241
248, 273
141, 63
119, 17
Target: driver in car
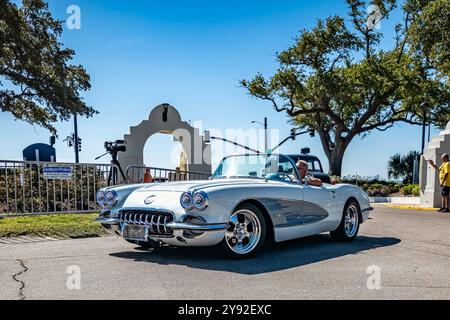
302, 167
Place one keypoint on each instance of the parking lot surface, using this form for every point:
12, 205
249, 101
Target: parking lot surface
409, 250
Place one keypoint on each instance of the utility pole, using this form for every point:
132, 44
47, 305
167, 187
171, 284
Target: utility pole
424, 126
266, 138
265, 135
76, 142
420, 154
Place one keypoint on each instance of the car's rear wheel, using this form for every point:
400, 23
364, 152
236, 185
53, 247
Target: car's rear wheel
246, 234
349, 227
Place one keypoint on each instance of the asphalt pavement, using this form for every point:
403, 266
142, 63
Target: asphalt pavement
400, 254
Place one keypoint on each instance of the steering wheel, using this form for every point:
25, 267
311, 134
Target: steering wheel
281, 176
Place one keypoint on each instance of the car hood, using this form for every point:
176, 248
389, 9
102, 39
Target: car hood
166, 196
203, 184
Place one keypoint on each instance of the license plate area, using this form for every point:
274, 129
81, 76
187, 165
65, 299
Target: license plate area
134, 232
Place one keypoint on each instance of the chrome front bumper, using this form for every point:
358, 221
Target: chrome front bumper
180, 234
173, 225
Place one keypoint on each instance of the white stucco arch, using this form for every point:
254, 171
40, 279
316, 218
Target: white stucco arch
166, 119
430, 190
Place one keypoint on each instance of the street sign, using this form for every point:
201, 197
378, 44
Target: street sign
39, 152
51, 172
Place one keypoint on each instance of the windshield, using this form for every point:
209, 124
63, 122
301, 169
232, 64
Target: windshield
276, 167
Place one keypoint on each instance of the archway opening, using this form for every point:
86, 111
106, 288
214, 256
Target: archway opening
162, 151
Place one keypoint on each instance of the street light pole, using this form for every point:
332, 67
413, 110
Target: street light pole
424, 126
265, 135
266, 138
75, 124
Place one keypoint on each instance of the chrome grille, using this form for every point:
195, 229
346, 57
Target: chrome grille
155, 221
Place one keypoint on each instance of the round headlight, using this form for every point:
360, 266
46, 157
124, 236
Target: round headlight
111, 198
200, 200
100, 197
186, 201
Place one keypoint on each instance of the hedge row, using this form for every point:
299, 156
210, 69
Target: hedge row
382, 188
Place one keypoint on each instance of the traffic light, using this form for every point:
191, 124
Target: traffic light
293, 133
305, 151
70, 141
312, 133
79, 144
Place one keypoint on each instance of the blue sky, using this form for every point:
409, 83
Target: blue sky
190, 54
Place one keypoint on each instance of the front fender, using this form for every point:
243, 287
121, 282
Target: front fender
123, 191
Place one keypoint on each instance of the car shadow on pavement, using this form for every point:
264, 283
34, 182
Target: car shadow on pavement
275, 257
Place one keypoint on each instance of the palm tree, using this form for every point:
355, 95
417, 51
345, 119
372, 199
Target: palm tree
402, 166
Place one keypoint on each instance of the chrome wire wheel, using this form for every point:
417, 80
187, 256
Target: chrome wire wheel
244, 232
351, 221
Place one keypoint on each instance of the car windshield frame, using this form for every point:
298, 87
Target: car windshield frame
286, 159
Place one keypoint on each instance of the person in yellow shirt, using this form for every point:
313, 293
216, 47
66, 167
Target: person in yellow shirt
444, 178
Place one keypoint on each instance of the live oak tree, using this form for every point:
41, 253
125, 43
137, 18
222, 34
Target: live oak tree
38, 84
430, 46
337, 80
430, 33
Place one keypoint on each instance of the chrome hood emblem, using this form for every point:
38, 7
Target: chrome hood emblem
150, 199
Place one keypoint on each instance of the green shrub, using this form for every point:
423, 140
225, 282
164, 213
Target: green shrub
411, 190
380, 189
375, 187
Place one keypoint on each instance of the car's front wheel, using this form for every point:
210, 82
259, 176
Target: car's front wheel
349, 227
246, 234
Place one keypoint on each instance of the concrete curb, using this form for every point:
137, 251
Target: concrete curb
34, 239
26, 239
405, 207
412, 201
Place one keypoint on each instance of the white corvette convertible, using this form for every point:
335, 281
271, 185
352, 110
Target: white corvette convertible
250, 199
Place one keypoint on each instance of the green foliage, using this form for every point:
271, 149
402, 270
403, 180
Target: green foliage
336, 79
411, 190
402, 166
380, 190
376, 187
64, 226
430, 33
37, 82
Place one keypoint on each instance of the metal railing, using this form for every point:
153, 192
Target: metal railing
135, 174
25, 188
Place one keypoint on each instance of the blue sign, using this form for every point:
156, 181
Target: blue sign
39, 152
57, 172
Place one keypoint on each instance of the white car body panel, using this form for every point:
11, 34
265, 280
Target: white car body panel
295, 210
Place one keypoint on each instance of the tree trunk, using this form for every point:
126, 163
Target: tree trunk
334, 150
336, 158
